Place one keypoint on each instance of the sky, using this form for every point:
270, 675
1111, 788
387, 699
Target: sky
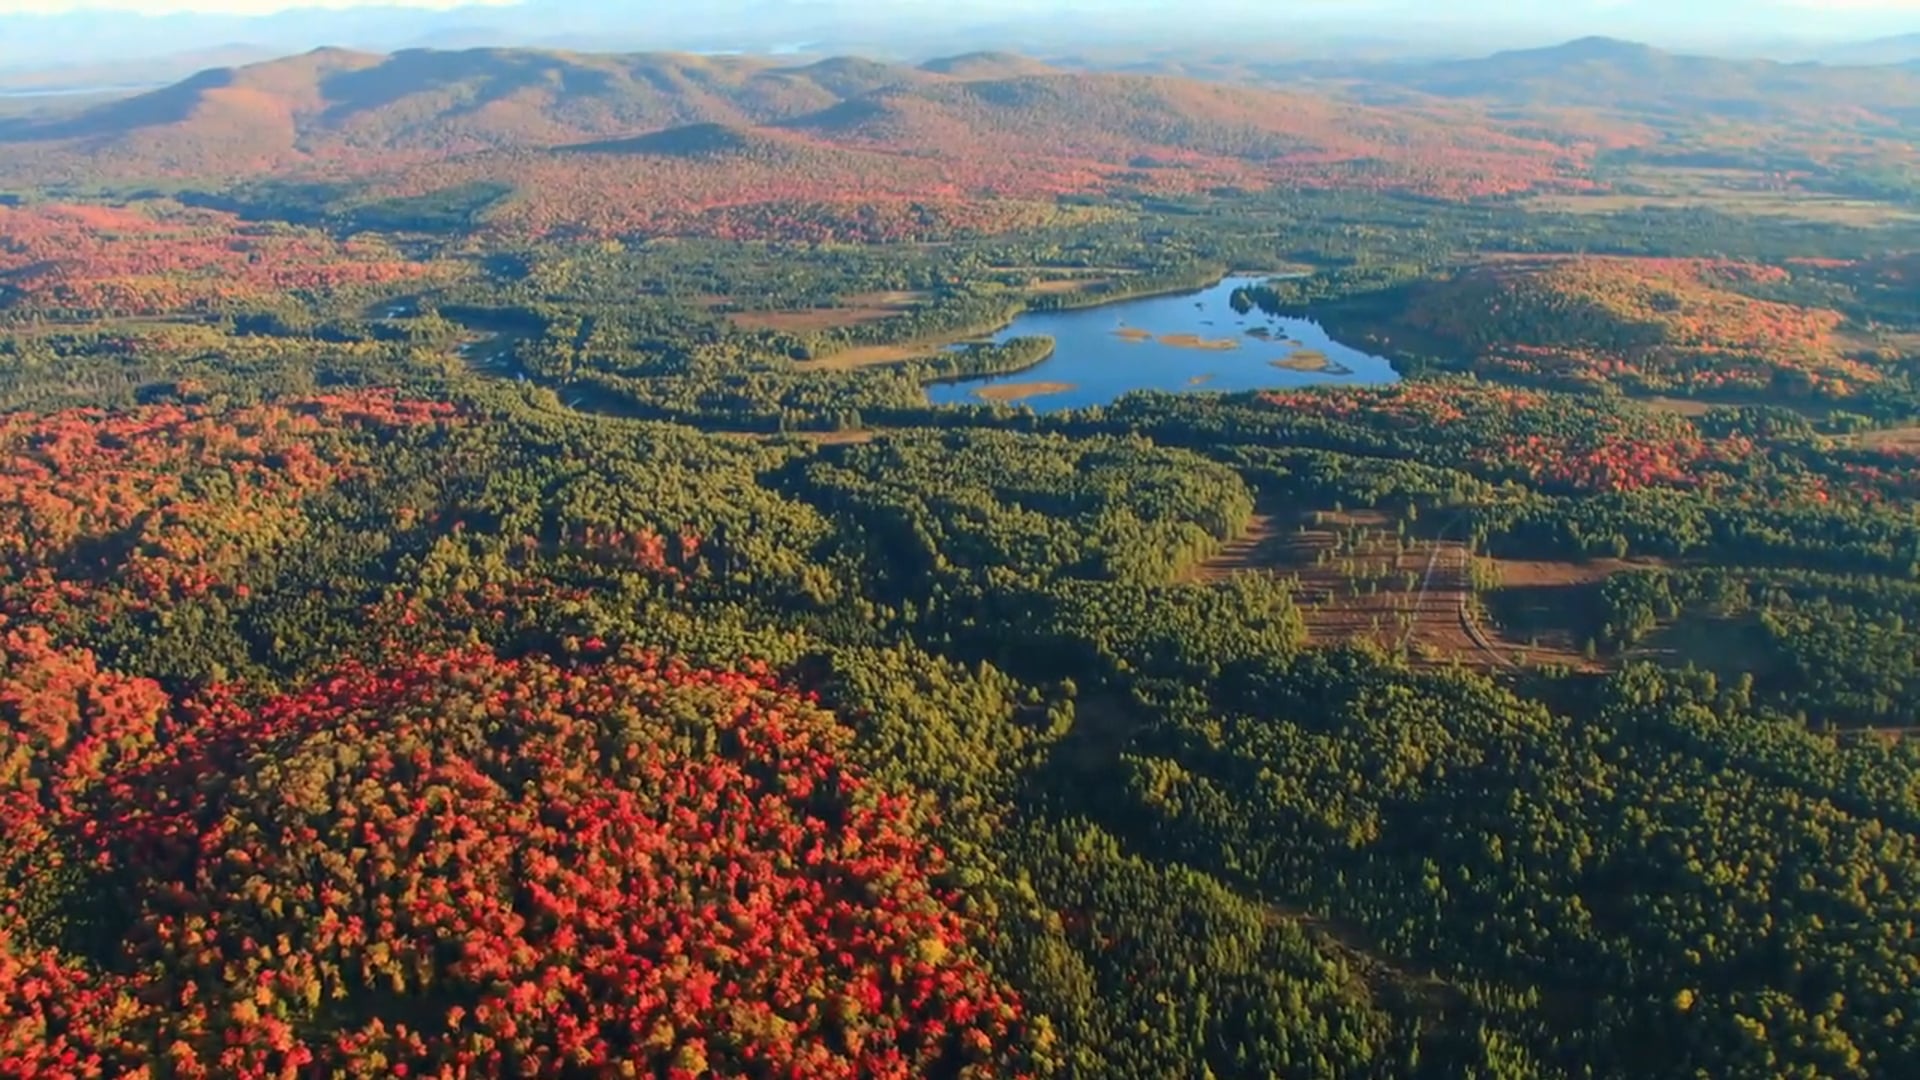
1490, 9
222, 7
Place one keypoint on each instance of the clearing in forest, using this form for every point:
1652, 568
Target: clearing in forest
1727, 191
1543, 607
854, 310
1059, 286
861, 356
1356, 577
1905, 439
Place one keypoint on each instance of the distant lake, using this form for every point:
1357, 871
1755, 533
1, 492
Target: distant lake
75, 91
1189, 342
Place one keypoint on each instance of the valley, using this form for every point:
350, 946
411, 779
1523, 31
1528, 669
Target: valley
525, 562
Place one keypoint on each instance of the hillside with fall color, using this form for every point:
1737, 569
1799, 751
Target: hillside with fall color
560, 566
1652, 323
623, 140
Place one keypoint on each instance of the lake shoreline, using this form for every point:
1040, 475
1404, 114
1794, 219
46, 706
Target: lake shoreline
1173, 342
906, 352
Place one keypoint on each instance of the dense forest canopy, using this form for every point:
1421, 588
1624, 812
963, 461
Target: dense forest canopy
484, 591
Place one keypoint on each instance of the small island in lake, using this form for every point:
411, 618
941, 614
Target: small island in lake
1312, 360
1007, 393
1149, 343
1195, 341
1178, 341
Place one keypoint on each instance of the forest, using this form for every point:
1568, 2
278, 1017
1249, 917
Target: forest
442, 638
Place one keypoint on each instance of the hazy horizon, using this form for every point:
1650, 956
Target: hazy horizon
54, 34
1789, 16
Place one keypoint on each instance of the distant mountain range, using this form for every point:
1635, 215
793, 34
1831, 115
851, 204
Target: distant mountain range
693, 132
1622, 76
1902, 49
898, 28
47, 46
649, 142
148, 71
337, 104
334, 104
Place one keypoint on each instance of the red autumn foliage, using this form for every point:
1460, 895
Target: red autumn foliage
651, 145
467, 866
105, 512
98, 261
1554, 441
913, 169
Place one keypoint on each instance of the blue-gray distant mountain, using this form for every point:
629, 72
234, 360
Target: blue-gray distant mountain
1900, 49
1608, 74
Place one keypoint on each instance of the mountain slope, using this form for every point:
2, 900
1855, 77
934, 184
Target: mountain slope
1900, 49
748, 132
448, 102
987, 65
1617, 75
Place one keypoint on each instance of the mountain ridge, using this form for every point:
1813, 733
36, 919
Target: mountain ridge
689, 134
339, 107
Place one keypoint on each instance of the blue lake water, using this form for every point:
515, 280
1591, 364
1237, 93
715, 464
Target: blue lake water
1092, 355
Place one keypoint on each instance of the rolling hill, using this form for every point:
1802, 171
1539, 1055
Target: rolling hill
1899, 49
630, 138
1626, 77
337, 105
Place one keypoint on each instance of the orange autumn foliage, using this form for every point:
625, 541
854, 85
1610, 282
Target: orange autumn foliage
102, 261
106, 512
1653, 324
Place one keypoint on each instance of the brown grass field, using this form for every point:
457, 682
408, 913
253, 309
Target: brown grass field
1066, 285
856, 309
1106, 271
1694, 408
1419, 597
877, 355
1900, 438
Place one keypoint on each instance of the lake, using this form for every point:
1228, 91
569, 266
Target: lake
1194, 341
67, 92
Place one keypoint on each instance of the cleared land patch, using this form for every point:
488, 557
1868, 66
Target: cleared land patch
1355, 577
855, 310
876, 355
1544, 607
1900, 438
1067, 285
